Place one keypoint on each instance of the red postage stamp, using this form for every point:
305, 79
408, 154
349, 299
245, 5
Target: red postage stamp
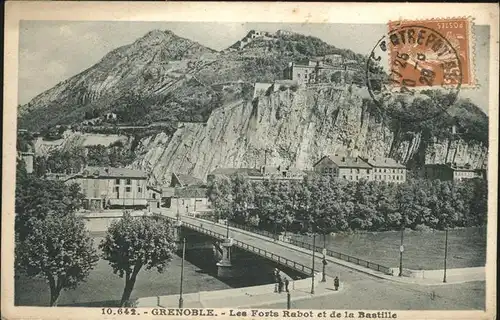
426, 53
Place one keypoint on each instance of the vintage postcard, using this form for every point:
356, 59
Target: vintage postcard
249, 160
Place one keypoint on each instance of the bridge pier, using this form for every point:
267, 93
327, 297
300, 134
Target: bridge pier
224, 266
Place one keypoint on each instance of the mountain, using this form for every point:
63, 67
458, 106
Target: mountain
155, 63
224, 109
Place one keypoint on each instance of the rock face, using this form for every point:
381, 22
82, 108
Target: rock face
296, 128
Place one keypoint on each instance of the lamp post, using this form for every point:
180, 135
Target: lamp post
445, 253
401, 249
227, 227
323, 276
312, 271
181, 301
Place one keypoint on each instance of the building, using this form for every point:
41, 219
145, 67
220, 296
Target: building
229, 172
108, 188
189, 199
280, 173
154, 198
184, 180
346, 167
387, 169
185, 194
452, 172
315, 72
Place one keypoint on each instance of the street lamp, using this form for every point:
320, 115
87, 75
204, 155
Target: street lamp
181, 301
323, 276
312, 272
401, 249
445, 253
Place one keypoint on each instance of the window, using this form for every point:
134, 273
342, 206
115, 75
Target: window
350, 177
154, 195
357, 170
139, 189
117, 181
351, 171
393, 171
357, 177
127, 189
117, 189
129, 181
385, 170
343, 177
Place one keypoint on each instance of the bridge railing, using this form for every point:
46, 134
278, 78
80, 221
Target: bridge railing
261, 252
331, 253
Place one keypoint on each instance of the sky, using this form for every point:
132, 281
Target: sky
52, 51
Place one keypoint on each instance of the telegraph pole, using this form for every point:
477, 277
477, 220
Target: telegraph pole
445, 253
181, 301
401, 249
312, 272
323, 277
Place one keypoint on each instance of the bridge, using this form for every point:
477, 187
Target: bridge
286, 254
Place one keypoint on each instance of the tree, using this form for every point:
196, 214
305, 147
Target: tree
135, 242
38, 198
59, 249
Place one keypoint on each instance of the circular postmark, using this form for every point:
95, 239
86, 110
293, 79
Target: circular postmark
413, 73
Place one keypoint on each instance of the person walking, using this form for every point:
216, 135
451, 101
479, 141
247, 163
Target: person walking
280, 283
275, 274
336, 283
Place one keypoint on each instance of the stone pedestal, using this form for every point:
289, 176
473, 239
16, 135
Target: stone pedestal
224, 266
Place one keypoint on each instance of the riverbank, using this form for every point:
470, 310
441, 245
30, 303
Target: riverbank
423, 250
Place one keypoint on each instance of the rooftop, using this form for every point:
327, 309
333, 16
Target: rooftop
187, 180
384, 162
233, 171
465, 167
110, 172
190, 192
349, 162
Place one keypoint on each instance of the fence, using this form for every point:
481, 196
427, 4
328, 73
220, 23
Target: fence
261, 252
331, 253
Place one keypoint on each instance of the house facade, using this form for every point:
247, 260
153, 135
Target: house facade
109, 188
314, 72
345, 167
185, 194
387, 169
452, 172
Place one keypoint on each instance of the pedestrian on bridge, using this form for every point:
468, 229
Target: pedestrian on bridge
336, 283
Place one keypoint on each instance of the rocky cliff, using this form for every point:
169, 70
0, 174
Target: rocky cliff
287, 127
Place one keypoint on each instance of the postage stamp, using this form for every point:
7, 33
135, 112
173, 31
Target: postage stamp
421, 55
438, 51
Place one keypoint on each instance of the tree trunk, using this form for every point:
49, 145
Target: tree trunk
54, 292
129, 286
